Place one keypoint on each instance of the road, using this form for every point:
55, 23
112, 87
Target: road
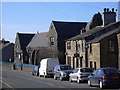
22, 79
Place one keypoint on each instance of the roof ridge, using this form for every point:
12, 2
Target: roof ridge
68, 22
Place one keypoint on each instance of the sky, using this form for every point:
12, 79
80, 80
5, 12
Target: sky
33, 17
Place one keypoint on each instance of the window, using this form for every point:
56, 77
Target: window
100, 72
91, 64
65, 67
95, 65
52, 41
75, 70
83, 44
95, 72
77, 46
77, 62
68, 45
108, 71
86, 70
90, 48
69, 60
111, 45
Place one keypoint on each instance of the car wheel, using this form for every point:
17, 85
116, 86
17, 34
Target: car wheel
89, 83
55, 78
70, 79
101, 85
78, 81
61, 79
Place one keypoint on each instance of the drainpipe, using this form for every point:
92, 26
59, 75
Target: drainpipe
86, 55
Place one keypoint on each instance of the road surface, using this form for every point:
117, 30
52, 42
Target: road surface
22, 79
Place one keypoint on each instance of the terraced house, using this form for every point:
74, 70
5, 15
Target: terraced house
97, 47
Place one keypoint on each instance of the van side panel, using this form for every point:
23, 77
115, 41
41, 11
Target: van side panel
47, 65
51, 64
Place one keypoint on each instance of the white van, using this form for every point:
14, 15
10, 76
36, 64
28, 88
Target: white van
47, 66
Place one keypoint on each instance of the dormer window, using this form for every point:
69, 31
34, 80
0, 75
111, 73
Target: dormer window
52, 41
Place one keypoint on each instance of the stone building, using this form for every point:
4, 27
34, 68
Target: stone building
103, 51
21, 42
118, 37
79, 48
59, 31
37, 48
6, 51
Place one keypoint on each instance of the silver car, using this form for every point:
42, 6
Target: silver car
80, 74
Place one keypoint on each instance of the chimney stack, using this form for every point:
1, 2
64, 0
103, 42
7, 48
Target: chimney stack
108, 16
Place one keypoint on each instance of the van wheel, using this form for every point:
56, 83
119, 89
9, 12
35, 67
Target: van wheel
61, 79
55, 78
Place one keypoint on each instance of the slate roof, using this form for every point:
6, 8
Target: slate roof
24, 39
39, 40
115, 31
68, 28
96, 32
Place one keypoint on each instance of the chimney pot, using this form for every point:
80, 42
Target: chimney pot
112, 9
104, 9
107, 9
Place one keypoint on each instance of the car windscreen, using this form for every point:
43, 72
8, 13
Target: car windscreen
86, 70
108, 71
65, 67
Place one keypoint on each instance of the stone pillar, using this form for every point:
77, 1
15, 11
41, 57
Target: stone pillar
118, 36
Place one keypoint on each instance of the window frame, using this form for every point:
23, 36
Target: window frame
68, 45
111, 45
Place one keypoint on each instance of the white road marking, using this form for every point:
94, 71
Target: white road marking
7, 84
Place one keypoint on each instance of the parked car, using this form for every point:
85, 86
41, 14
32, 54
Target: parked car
62, 72
35, 71
80, 74
104, 77
47, 66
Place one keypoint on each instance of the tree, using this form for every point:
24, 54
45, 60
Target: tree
96, 20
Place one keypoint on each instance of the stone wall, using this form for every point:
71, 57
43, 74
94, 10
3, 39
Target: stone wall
9, 66
109, 58
94, 55
118, 36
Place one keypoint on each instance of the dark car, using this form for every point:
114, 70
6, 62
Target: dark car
105, 78
62, 72
35, 71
